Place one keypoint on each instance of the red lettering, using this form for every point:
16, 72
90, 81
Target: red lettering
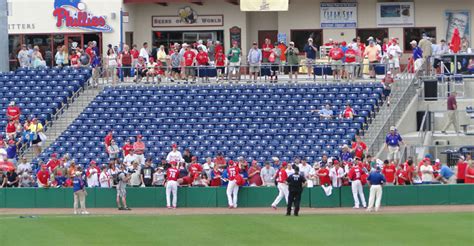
82, 19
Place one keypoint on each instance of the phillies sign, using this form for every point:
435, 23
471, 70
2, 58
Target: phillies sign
73, 14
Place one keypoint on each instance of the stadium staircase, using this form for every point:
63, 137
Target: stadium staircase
58, 125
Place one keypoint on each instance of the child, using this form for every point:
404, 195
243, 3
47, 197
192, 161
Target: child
159, 177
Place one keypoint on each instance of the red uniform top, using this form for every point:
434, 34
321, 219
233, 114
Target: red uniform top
43, 176
232, 171
469, 171
436, 168
202, 58
135, 53
400, 175
282, 176
218, 48
389, 172
189, 58
195, 169
348, 113
462, 170
13, 112
266, 54
220, 59
127, 148
362, 47
11, 128
74, 60
107, 140
336, 54
90, 52
216, 181
359, 149
52, 164
172, 174
350, 55
324, 180
355, 173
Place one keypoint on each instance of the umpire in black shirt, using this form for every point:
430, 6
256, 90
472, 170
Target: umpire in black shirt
295, 185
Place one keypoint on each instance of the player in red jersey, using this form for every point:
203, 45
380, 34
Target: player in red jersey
232, 188
281, 177
172, 185
388, 171
355, 175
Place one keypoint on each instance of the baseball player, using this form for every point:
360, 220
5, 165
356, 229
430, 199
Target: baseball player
376, 181
295, 183
232, 188
281, 177
172, 185
354, 175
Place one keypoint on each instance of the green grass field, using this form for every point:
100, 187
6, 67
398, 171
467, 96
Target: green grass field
454, 229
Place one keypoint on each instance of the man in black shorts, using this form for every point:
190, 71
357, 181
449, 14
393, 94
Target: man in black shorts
295, 185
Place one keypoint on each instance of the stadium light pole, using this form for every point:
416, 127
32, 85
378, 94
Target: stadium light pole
4, 61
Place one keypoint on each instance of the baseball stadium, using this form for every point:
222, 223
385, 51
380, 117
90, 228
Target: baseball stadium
236, 122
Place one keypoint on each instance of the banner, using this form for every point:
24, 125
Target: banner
459, 19
187, 16
264, 5
395, 14
338, 15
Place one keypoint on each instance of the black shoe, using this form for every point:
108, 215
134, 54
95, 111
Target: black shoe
288, 214
127, 208
120, 208
296, 215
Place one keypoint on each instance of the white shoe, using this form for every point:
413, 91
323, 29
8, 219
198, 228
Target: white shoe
356, 207
75, 212
85, 212
369, 210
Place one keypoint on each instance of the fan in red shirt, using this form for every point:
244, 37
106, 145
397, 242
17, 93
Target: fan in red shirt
11, 129
202, 58
189, 57
402, 176
323, 174
74, 59
13, 111
134, 52
127, 147
90, 51
267, 48
336, 54
348, 112
43, 177
194, 170
218, 48
53, 162
107, 140
389, 171
220, 160
359, 147
216, 175
461, 166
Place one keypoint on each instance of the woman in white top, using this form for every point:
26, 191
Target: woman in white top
112, 64
37, 58
105, 179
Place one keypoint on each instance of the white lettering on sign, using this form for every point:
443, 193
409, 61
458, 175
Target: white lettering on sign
30, 26
176, 21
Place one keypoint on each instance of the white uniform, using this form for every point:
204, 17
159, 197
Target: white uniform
93, 179
336, 176
174, 156
282, 190
171, 188
357, 189
129, 159
104, 180
305, 170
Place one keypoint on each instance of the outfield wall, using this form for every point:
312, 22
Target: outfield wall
248, 197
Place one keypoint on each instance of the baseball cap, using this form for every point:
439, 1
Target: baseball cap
335, 162
437, 161
254, 43
93, 162
12, 103
174, 146
231, 162
54, 155
194, 158
275, 158
392, 128
284, 164
413, 42
139, 136
173, 163
292, 43
389, 72
426, 159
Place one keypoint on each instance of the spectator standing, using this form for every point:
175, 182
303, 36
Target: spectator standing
254, 174
234, 56
127, 148
310, 53
53, 162
394, 52
24, 57
417, 55
275, 61
159, 177
24, 166
208, 166
389, 172
452, 114
108, 138
387, 82
12, 178
267, 48
12, 151
175, 63
350, 60
392, 144
372, 53
211, 51
267, 174
426, 171
112, 64
139, 149
37, 58
144, 52
202, 60
105, 179
254, 59
92, 174
346, 155
335, 57
126, 61
282, 46
427, 51
36, 128
80, 193
305, 168
187, 156
146, 173
216, 176
469, 174
220, 62
359, 148
461, 167
135, 180
59, 56
376, 181
336, 173
292, 59
13, 111
189, 57
113, 150
43, 177
26, 179
323, 175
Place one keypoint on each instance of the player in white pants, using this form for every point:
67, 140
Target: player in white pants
354, 175
281, 177
172, 185
232, 187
